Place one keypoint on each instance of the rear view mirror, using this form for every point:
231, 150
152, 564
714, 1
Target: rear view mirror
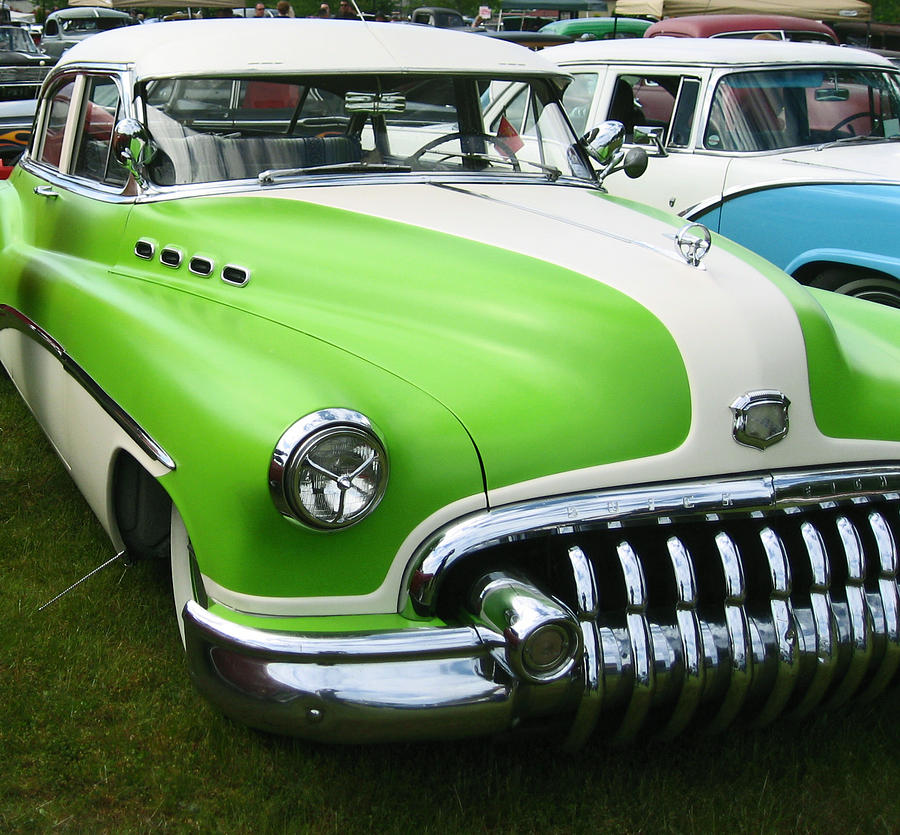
832, 94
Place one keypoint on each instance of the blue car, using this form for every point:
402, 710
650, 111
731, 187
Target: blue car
832, 235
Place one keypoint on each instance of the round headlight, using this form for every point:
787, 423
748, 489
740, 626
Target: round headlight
329, 470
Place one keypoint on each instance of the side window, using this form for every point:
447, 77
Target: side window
680, 131
648, 101
518, 113
55, 125
93, 152
577, 100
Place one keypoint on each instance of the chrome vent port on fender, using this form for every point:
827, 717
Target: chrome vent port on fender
237, 276
201, 265
145, 248
171, 256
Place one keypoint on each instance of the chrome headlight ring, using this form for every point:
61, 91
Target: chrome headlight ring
329, 470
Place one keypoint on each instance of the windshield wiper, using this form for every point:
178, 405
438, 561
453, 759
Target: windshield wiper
274, 174
849, 140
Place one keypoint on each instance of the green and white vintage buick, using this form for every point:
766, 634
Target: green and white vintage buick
439, 438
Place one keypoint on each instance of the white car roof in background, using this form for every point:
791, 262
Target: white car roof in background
726, 52
226, 47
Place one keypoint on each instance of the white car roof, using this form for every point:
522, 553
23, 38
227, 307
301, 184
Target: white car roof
247, 46
724, 52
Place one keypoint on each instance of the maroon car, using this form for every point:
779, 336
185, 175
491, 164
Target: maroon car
778, 27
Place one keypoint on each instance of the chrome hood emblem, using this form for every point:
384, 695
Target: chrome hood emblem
760, 418
693, 241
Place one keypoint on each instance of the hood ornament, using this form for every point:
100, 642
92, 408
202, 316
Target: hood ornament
693, 241
760, 418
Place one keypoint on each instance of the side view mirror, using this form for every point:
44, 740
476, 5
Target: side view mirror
604, 141
604, 145
635, 163
654, 136
133, 149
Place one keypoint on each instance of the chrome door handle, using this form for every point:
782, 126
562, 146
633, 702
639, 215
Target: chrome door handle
46, 191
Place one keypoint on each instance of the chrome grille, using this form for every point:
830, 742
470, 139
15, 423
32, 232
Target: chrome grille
702, 602
755, 616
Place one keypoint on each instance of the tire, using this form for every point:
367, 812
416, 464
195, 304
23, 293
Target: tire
181, 558
863, 284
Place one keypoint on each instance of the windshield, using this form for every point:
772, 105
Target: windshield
15, 39
89, 25
215, 129
771, 109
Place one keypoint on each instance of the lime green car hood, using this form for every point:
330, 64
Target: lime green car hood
529, 312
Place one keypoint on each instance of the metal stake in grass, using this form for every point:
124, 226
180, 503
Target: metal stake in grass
90, 574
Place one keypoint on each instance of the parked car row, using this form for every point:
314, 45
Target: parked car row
438, 437
740, 131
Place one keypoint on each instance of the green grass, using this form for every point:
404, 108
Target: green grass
101, 731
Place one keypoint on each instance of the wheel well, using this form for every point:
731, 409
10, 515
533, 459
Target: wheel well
142, 510
808, 273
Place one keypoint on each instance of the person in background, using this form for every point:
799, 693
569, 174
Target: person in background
346, 11
284, 9
260, 10
324, 11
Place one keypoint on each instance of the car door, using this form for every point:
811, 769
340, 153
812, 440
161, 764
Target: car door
73, 200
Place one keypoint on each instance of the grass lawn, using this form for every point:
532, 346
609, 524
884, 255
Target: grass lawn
101, 731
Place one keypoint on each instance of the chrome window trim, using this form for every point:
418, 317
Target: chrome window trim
12, 318
566, 514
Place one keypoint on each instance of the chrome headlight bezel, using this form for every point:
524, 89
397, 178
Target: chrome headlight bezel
291, 461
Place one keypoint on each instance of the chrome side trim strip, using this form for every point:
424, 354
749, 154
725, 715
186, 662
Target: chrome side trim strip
12, 318
692, 212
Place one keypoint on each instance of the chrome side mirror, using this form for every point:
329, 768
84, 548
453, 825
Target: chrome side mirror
604, 145
133, 149
604, 141
655, 136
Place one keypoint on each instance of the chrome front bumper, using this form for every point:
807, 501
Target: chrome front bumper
421, 683
754, 596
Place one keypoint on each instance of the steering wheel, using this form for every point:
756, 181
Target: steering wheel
847, 119
497, 141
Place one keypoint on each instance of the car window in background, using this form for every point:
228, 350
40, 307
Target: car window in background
768, 110
577, 99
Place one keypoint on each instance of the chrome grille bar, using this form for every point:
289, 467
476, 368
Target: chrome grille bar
816, 626
690, 636
852, 619
784, 630
640, 643
885, 605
